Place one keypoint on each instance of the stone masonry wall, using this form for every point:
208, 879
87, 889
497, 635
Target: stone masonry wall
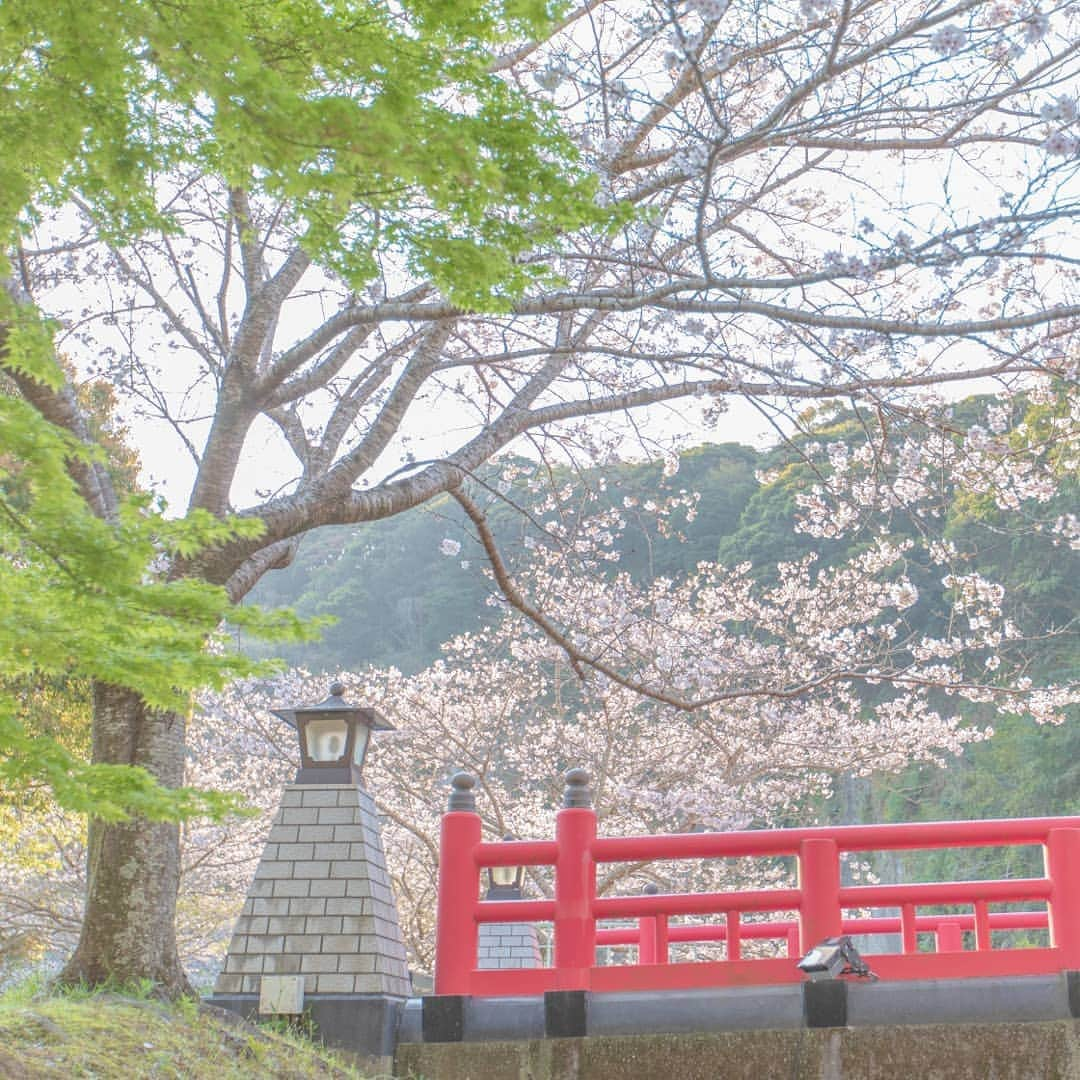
321, 903
507, 945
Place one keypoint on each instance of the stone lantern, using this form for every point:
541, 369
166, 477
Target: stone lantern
319, 932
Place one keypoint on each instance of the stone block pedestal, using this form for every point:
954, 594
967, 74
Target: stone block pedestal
321, 907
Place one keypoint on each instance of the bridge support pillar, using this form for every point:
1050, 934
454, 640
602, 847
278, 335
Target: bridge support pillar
825, 1003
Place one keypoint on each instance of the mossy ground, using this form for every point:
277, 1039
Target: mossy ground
128, 1036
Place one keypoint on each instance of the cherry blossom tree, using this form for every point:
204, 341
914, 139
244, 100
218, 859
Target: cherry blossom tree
712, 702
855, 201
818, 676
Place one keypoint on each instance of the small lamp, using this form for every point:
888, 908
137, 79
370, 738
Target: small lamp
835, 956
333, 738
505, 882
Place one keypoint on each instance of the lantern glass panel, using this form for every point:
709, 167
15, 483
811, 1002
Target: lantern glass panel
326, 738
360, 746
504, 875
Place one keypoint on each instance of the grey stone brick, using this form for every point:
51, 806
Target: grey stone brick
336, 984
250, 984
308, 906
369, 984
271, 907
357, 924
340, 943
291, 888
318, 962
384, 910
324, 924
283, 834
261, 888
310, 983
292, 796
384, 928
303, 943
331, 850
268, 869
228, 984
360, 887
349, 833
318, 834
357, 962
336, 815
347, 868
282, 964
316, 868
288, 924
320, 797
339, 906
266, 943
238, 945
243, 965
257, 925
300, 815
328, 887
296, 851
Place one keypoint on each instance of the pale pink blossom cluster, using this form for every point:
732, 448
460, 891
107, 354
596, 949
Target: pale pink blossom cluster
918, 474
948, 40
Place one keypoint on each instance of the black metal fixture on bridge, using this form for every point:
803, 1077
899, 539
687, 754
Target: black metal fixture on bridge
834, 957
334, 737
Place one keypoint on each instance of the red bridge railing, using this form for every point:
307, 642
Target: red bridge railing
819, 901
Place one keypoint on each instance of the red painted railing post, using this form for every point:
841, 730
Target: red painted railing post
734, 936
819, 883
648, 943
982, 926
793, 943
646, 950
908, 936
661, 933
459, 887
1062, 857
575, 885
950, 938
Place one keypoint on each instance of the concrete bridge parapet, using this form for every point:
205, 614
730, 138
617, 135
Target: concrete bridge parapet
1021, 1027
1048, 1050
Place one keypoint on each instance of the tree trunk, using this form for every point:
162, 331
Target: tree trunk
133, 867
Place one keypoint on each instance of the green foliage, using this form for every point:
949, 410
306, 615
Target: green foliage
382, 128
79, 598
381, 125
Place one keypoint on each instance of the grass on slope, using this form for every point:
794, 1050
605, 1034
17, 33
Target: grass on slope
122, 1036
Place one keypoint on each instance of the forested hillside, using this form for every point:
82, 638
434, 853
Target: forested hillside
399, 589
